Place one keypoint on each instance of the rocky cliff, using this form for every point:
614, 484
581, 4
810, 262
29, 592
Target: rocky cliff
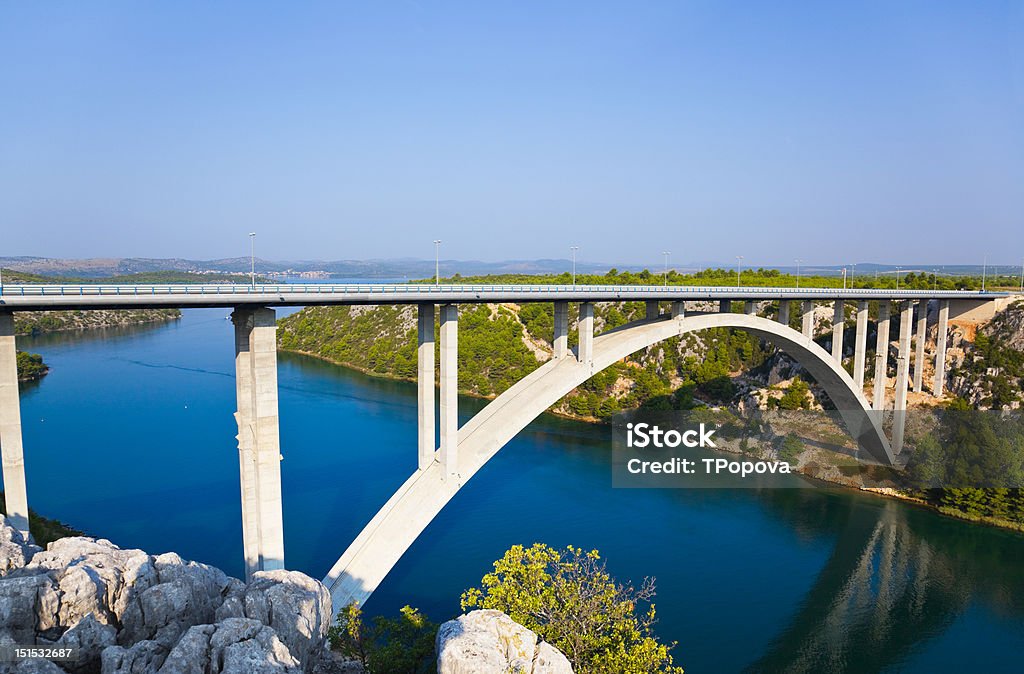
129, 612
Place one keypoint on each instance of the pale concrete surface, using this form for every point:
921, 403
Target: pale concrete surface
425, 385
920, 338
259, 438
561, 337
784, 312
882, 354
899, 421
11, 448
860, 344
938, 385
838, 323
807, 319
449, 453
585, 328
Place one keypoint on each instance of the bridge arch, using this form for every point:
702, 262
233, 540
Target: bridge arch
383, 541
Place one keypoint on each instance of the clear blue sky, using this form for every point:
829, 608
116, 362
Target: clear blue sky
834, 132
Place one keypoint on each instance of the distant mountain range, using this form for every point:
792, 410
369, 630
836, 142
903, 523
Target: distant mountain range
411, 268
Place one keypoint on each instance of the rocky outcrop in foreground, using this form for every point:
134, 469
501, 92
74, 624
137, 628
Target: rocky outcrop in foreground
129, 612
489, 642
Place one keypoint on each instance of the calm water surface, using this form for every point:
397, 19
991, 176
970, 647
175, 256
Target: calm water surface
131, 437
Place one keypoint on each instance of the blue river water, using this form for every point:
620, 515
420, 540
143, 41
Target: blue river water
131, 438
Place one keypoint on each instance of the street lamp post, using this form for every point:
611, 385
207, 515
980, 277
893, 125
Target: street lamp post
739, 259
574, 249
1021, 278
798, 261
666, 254
437, 262
898, 270
984, 273
252, 259
844, 278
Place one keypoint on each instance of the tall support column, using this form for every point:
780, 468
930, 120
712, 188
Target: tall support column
561, 340
922, 336
724, 306
860, 344
807, 319
678, 309
259, 438
586, 332
940, 349
11, 448
899, 421
749, 308
449, 452
882, 354
425, 386
653, 311
784, 312
838, 323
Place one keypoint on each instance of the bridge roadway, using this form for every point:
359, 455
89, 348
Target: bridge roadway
225, 295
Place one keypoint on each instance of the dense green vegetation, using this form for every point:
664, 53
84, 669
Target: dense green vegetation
972, 465
750, 277
570, 600
31, 366
43, 529
402, 645
36, 322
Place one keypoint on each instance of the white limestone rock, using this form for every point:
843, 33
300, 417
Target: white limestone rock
489, 642
233, 646
90, 637
15, 551
297, 607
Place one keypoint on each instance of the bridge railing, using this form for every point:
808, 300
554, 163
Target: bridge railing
430, 289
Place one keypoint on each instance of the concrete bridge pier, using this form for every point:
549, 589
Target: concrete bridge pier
678, 309
899, 421
750, 308
585, 327
922, 336
940, 349
652, 309
449, 452
561, 337
724, 306
807, 319
425, 391
881, 354
860, 344
784, 312
259, 440
838, 320
11, 448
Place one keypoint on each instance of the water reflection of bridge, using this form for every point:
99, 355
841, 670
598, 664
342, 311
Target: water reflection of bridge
887, 587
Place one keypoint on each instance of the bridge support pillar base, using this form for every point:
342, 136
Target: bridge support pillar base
678, 309
11, 447
259, 441
652, 309
902, 377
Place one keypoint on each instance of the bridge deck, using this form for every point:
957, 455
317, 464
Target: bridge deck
54, 297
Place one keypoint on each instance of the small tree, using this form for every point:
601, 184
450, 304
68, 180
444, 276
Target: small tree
571, 601
403, 645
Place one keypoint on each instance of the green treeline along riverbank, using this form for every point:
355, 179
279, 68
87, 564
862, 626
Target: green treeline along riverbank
499, 344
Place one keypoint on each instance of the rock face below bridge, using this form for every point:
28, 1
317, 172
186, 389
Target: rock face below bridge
489, 642
131, 612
